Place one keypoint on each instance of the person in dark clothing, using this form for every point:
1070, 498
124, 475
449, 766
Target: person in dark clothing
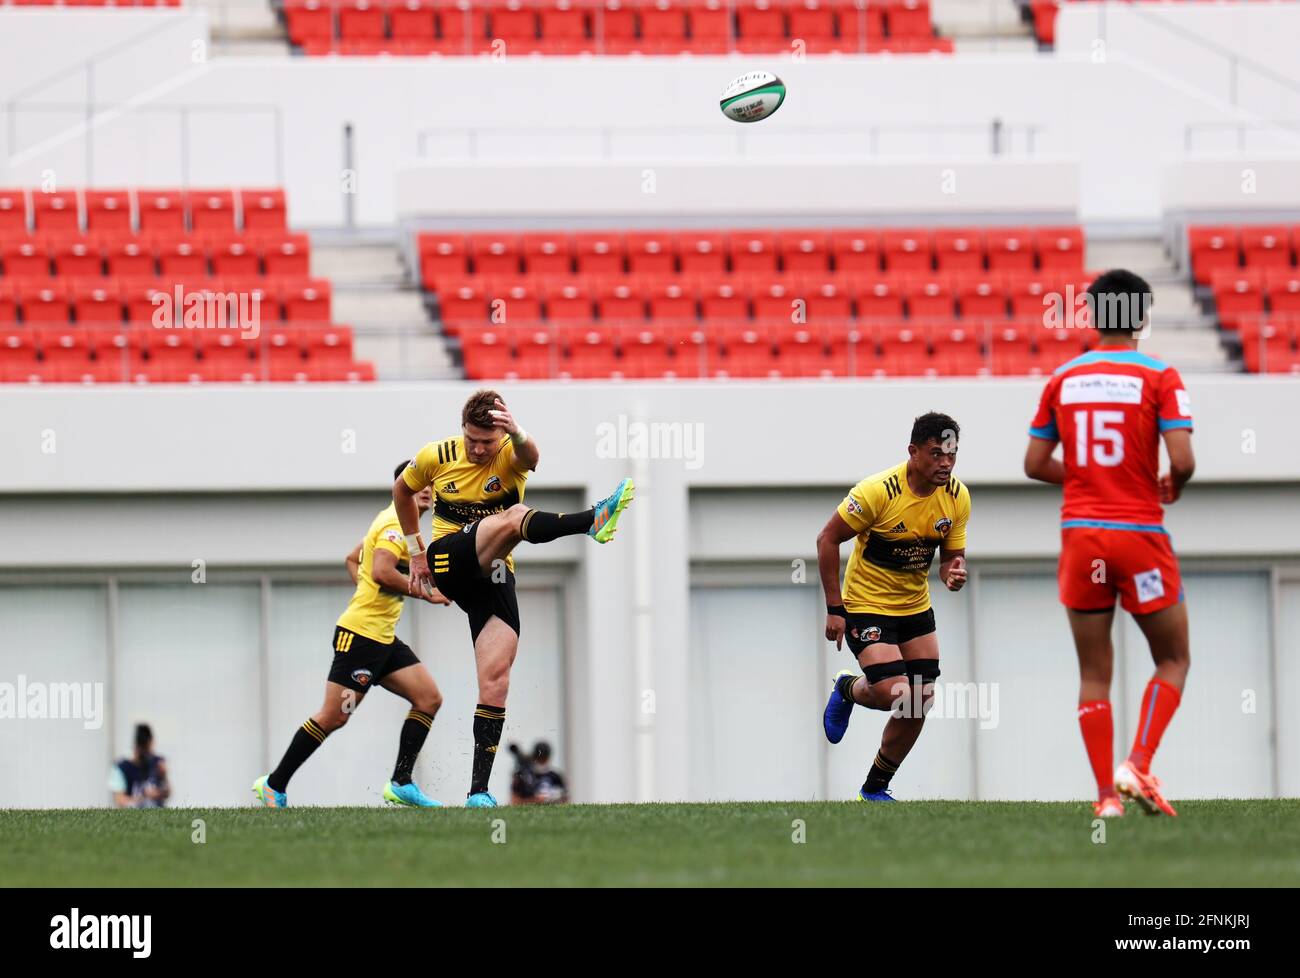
140, 781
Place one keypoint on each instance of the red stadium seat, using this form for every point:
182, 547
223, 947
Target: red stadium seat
1010, 250
76, 258
130, 258
701, 252
8, 303
212, 210
599, 253
619, 301
181, 258
613, 26
760, 26
161, 211
264, 210
1060, 250
108, 211
1212, 249
25, 258
959, 250
308, 303
753, 252
981, 297
650, 253
710, 29
803, 251
856, 251
907, 251
310, 21
1283, 287
44, 302
1238, 295
877, 300
96, 302
284, 254
412, 20
928, 297
13, 212
360, 20
669, 302
568, 303
564, 26
723, 300
1266, 246
517, 303
56, 212
907, 18
663, 27
63, 345
234, 256
462, 304
442, 256
547, 253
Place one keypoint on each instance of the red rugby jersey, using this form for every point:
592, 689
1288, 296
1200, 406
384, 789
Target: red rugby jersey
1108, 408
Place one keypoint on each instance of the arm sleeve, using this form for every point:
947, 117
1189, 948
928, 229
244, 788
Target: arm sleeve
390, 538
956, 539
860, 506
1175, 408
423, 468
1044, 424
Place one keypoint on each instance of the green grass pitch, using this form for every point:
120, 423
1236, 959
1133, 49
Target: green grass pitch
1212, 843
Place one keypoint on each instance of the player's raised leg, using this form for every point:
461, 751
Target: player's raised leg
497, 535
414, 684
1092, 643
1166, 633
340, 703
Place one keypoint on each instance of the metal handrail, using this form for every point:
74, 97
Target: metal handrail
1276, 126
1001, 134
1234, 58
183, 110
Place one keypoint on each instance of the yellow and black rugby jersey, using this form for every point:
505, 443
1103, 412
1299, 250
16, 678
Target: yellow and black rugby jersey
373, 610
898, 533
464, 492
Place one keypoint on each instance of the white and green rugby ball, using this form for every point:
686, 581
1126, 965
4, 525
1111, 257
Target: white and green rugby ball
753, 97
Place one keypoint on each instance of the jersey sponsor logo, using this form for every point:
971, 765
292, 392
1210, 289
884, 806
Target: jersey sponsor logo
362, 677
942, 525
1150, 585
905, 555
493, 485
892, 488
900, 528
449, 488
1184, 403
871, 633
1101, 389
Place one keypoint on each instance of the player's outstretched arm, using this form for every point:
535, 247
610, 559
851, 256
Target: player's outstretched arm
384, 570
353, 561
1039, 463
526, 450
835, 532
1182, 463
408, 516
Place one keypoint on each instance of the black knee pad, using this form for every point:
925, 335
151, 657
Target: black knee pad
884, 670
926, 670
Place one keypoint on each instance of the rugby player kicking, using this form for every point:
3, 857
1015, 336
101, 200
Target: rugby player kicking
367, 652
477, 479
896, 518
1109, 409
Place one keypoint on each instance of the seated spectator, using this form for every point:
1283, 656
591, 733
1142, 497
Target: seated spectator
140, 781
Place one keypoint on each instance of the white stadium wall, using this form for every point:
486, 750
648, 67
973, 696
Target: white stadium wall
1121, 118
684, 661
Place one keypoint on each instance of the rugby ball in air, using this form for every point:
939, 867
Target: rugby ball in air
752, 97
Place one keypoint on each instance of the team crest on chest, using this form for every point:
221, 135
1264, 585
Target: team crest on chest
942, 525
493, 485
